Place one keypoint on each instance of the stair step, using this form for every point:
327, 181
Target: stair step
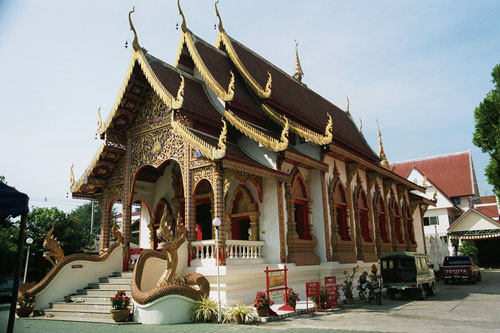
97, 292
109, 286
116, 280
83, 313
88, 299
73, 306
122, 274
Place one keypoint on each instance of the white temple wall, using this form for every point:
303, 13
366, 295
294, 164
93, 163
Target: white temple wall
317, 215
144, 230
144, 193
417, 227
269, 221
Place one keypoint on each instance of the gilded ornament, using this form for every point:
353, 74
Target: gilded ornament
221, 28
298, 69
381, 152
184, 25
115, 232
135, 43
55, 253
424, 183
100, 128
360, 126
434, 197
347, 108
71, 176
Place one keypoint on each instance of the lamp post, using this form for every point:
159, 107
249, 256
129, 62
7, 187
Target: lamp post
29, 241
216, 222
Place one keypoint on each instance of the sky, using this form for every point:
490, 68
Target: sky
419, 67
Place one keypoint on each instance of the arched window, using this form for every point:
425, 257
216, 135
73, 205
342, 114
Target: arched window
244, 216
341, 213
301, 208
397, 223
203, 212
382, 221
363, 217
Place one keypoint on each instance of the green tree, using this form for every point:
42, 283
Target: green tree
83, 214
72, 234
487, 131
8, 243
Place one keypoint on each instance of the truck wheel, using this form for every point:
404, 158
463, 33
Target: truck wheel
446, 281
479, 276
421, 293
473, 279
432, 289
391, 293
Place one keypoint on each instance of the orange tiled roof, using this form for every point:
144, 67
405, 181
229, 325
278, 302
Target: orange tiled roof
452, 173
488, 199
490, 211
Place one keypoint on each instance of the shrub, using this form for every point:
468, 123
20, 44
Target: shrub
293, 297
469, 250
244, 312
204, 310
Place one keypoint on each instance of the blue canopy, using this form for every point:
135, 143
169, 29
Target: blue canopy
12, 202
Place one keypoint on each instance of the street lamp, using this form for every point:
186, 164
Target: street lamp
216, 222
29, 241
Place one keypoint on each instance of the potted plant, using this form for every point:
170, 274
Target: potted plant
322, 298
240, 314
291, 298
204, 310
25, 304
262, 304
119, 304
348, 284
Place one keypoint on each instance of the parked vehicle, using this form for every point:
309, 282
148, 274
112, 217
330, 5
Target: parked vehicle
408, 273
370, 288
460, 268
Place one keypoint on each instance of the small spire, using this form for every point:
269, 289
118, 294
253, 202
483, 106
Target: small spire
347, 110
183, 26
360, 125
298, 69
135, 43
381, 152
221, 28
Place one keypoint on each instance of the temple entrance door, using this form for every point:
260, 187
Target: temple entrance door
204, 218
240, 228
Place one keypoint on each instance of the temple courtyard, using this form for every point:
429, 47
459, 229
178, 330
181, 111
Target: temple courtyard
455, 308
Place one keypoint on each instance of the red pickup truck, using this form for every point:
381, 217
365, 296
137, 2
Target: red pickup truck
460, 268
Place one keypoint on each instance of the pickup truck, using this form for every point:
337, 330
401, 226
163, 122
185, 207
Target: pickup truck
460, 268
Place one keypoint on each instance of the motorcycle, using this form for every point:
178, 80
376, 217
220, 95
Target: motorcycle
370, 289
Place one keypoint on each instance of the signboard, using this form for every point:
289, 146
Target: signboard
276, 280
331, 291
77, 266
312, 289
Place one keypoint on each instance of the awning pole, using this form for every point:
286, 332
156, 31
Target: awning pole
17, 272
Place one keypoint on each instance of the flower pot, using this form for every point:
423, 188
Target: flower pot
24, 311
120, 315
263, 312
238, 319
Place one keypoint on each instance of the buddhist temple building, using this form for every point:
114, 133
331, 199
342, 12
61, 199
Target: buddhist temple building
224, 133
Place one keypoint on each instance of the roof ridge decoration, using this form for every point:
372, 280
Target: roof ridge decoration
254, 85
381, 152
347, 108
360, 126
86, 174
266, 140
301, 130
71, 176
209, 151
135, 43
139, 57
298, 69
99, 121
184, 25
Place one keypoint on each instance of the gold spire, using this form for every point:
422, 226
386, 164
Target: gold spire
135, 43
183, 26
221, 28
298, 69
71, 176
347, 111
381, 152
360, 125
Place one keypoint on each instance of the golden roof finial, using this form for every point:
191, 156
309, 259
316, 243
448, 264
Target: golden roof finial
284, 133
71, 176
222, 138
99, 121
424, 183
183, 26
329, 128
360, 125
298, 69
221, 28
347, 110
381, 152
179, 99
135, 43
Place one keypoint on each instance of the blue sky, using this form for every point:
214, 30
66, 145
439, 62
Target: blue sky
420, 67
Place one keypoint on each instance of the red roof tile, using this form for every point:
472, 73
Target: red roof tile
489, 199
490, 211
451, 173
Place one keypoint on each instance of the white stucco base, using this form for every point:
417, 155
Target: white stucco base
69, 279
171, 309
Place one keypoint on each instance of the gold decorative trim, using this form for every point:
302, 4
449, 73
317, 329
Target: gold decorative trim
209, 151
256, 135
301, 130
256, 87
225, 95
261, 172
76, 186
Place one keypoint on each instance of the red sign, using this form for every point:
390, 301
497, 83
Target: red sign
331, 291
312, 289
77, 266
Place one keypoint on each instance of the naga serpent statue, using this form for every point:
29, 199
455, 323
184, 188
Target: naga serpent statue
54, 248
192, 285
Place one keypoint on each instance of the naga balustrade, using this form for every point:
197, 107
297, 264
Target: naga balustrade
236, 252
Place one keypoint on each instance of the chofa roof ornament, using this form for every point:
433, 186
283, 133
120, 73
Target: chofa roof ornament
221, 28
184, 25
135, 43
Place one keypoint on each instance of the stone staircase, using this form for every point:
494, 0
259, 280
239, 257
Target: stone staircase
91, 304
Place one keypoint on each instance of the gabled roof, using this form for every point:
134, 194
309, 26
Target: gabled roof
471, 210
490, 211
453, 173
488, 199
